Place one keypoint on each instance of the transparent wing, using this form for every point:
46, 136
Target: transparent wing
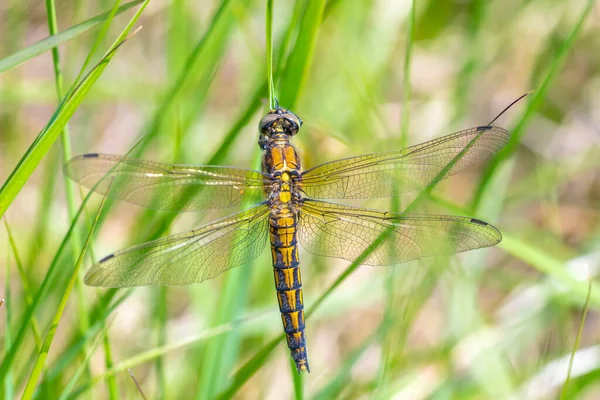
400, 171
189, 257
333, 230
165, 186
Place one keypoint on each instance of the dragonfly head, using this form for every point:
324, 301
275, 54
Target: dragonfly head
279, 121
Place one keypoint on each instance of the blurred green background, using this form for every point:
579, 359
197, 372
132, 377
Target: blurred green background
191, 85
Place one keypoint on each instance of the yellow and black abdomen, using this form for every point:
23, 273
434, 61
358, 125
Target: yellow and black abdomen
288, 283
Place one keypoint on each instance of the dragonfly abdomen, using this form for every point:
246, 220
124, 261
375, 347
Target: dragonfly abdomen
288, 283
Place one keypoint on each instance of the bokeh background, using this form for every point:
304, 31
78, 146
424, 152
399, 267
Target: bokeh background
191, 85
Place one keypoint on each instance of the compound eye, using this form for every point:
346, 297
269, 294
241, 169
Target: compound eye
267, 119
294, 118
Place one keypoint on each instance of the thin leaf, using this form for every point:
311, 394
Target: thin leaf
50, 133
547, 264
534, 103
297, 380
298, 65
7, 381
35, 326
39, 295
43, 354
269, 36
82, 366
157, 352
343, 378
55, 40
586, 307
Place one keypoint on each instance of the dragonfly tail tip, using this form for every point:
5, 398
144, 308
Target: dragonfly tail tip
302, 365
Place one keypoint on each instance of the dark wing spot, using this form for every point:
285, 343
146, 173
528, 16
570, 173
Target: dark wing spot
108, 257
479, 222
90, 155
483, 128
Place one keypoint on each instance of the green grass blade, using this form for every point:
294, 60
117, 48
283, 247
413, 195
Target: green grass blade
41, 359
184, 79
40, 294
544, 262
40, 235
586, 307
297, 379
83, 366
222, 351
66, 152
534, 103
390, 309
50, 133
215, 36
35, 326
72, 101
55, 40
178, 46
193, 75
472, 65
68, 357
269, 36
300, 60
161, 316
249, 368
406, 93
343, 377
157, 352
7, 382
111, 384
99, 38
538, 259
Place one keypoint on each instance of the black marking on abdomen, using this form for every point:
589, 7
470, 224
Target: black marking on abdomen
288, 320
276, 241
294, 303
296, 340
483, 128
285, 257
91, 155
282, 276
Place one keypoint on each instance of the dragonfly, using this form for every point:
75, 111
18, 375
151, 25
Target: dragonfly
290, 207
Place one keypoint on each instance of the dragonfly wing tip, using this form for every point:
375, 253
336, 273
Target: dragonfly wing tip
479, 222
108, 257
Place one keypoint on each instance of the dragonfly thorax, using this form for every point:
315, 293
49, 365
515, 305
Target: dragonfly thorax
285, 194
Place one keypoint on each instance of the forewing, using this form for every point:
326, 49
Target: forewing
401, 171
165, 186
334, 230
189, 257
